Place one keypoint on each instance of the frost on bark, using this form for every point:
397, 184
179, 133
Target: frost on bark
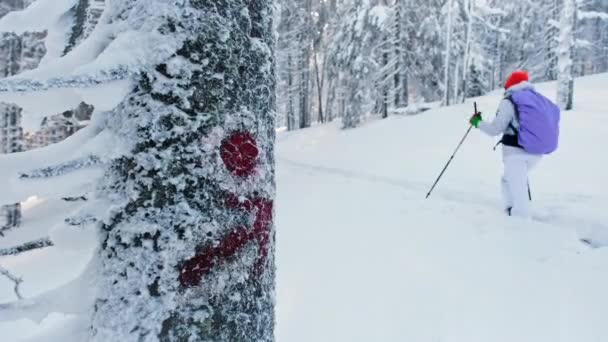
188, 251
565, 83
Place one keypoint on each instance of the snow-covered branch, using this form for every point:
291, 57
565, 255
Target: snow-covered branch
16, 280
592, 15
77, 81
18, 182
26, 247
62, 169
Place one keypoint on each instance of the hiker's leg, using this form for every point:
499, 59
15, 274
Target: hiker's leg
516, 176
507, 199
532, 161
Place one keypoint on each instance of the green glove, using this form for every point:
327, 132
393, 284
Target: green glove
475, 120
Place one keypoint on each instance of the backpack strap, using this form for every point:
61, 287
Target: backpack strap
510, 98
511, 139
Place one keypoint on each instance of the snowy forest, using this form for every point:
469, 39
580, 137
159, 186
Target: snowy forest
348, 59
153, 151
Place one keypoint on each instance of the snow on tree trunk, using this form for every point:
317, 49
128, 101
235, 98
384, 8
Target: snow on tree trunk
401, 97
448, 54
291, 115
565, 84
304, 88
385, 77
304, 38
469, 5
187, 252
319, 82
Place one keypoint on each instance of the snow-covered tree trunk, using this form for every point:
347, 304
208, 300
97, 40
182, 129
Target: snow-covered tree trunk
456, 82
385, 77
469, 6
291, 114
330, 101
304, 88
304, 67
187, 252
319, 82
565, 84
448, 55
400, 78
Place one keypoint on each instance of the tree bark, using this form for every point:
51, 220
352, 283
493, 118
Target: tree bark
305, 117
448, 55
469, 6
187, 253
291, 119
401, 78
319, 89
565, 91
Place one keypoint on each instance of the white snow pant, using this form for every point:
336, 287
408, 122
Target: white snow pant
518, 163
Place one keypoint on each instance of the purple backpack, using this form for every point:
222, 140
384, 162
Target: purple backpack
538, 119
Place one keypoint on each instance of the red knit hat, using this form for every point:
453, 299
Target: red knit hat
516, 78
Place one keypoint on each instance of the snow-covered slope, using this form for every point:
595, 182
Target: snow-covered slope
362, 256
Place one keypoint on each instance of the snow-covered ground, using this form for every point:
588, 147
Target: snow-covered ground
362, 256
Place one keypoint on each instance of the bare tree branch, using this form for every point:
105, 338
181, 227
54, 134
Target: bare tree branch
60, 299
28, 246
14, 279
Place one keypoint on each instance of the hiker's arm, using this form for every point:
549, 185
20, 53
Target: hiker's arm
506, 113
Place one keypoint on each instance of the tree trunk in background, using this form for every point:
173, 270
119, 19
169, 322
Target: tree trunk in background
331, 99
448, 54
305, 117
291, 115
400, 78
304, 88
456, 81
385, 78
319, 89
552, 53
187, 252
565, 84
469, 5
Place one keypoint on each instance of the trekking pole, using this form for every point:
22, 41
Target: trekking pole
452, 157
529, 191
